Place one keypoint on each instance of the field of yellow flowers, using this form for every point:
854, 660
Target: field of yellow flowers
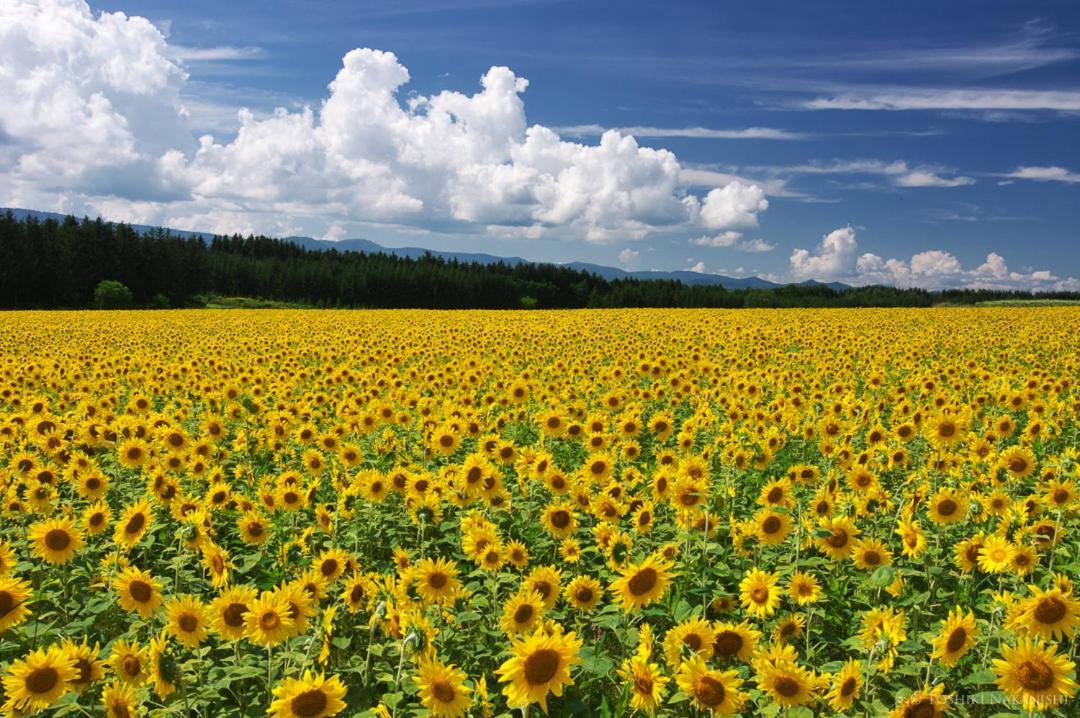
305, 514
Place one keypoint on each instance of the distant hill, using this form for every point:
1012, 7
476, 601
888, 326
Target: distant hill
369, 247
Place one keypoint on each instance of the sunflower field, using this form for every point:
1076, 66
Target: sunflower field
305, 514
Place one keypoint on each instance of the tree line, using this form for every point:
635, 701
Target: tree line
60, 264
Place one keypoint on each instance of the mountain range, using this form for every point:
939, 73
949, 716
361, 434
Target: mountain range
369, 247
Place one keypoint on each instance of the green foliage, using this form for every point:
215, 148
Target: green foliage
111, 294
46, 264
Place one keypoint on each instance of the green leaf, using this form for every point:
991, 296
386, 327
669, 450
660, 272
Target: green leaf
882, 576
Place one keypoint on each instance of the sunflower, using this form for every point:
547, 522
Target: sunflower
130, 662
845, 686
55, 540
14, 595
912, 538
758, 593
133, 523
647, 683
966, 553
570, 550
1018, 461
789, 628
948, 506
584, 593
442, 688
956, 637
88, 668
546, 581
310, 696
253, 529
539, 665
522, 612
37, 681
695, 636
331, 564
228, 610
164, 670
1053, 613
120, 700
436, 581
835, 536
643, 583
735, 640
712, 690
137, 591
356, 592
787, 683
559, 520
771, 527
996, 554
946, 429
804, 588
870, 554
7, 558
96, 518
267, 621
132, 453
925, 703
185, 619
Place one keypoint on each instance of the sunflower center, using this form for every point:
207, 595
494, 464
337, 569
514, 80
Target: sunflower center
188, 623
357, 594
329, 567
760, 594
838, 539
770, 525
1050, 610
135, 524
7, 603
82, 665
541, 666
643, 685
848, 687
728, 643
946, 429
269, 621
1035, 675
543, 588
872, 558
560, 519
584, 594
140, 591
923, 708
947, 507
58, 539
233, 616
643, 581
710, 691
443, 692
1018, 465
957, 639
438, 580
131, 666
786, 686
523, 614
42, 680
309, 704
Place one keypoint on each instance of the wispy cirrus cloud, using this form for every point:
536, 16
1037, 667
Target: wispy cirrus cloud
1045, 174
215, 54
946, 98
748, 133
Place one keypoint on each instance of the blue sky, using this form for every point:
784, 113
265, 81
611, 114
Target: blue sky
897, 142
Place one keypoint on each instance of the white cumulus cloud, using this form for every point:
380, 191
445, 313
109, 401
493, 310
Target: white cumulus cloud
836, 259
93, 119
